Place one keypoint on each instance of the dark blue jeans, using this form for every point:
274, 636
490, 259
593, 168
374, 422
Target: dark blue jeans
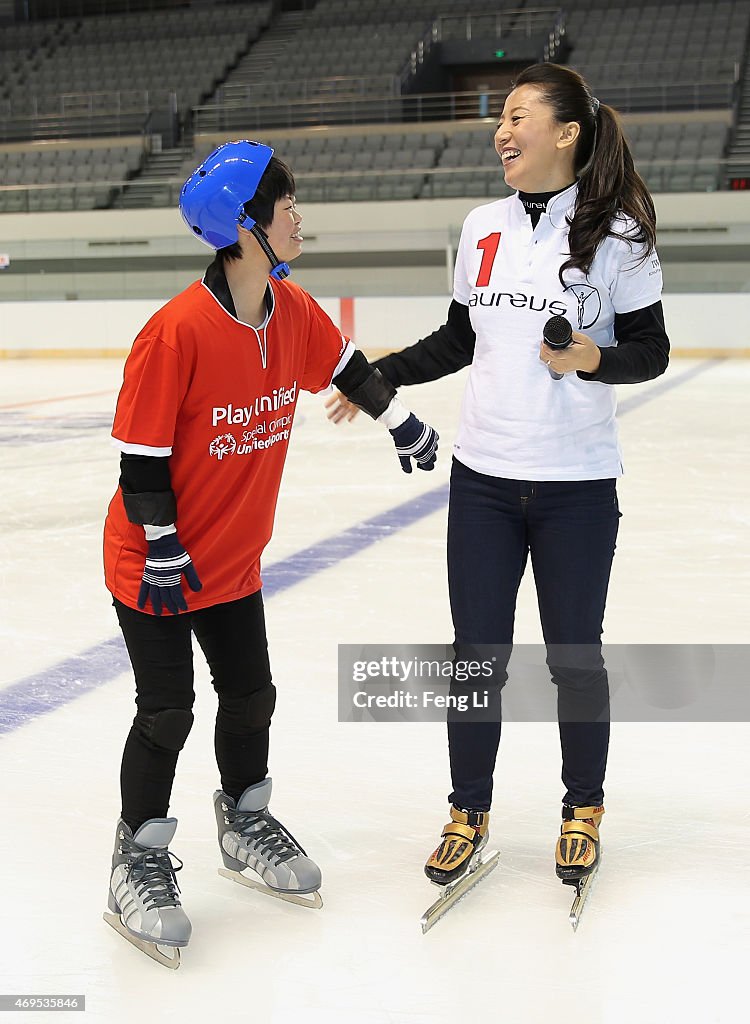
569, 529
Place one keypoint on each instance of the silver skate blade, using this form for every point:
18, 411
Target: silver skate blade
313, 900
582, 892
453, 893
149, 948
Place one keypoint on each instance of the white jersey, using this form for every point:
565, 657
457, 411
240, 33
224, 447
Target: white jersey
516, 420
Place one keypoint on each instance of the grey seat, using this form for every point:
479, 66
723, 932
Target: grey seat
680, 181
705, 180
451, 157
384, 159
363, 159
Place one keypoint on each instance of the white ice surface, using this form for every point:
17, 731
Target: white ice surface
666, 934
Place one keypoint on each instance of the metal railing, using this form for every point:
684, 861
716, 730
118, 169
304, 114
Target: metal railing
357, 184
505, 25
425, 107
669, 96
639, 86
339, 100
110, 102
500, 25
652, 72
337, 87
88, 114
21, 129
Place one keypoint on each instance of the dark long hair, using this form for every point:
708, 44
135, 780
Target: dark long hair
608, 183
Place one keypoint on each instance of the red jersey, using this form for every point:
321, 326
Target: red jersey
218, 397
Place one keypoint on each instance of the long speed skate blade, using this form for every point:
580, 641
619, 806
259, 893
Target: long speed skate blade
456, 892
149, 948
583, 888
313, 900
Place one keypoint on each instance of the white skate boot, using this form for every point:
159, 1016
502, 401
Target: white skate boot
145, 908
259, 852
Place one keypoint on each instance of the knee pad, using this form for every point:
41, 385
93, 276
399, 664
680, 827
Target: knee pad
167, 729
247, 714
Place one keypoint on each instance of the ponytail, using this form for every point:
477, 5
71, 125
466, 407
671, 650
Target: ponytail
609, 187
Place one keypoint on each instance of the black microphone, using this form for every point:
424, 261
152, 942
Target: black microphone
558, 334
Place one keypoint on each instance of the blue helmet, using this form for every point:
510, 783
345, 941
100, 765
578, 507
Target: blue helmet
213, 197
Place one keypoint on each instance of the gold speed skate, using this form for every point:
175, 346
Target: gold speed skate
578, 853
458, 864
463, 836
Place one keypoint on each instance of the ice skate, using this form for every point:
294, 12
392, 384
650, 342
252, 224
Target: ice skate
259, 852
578, 853
459, 862
143, 902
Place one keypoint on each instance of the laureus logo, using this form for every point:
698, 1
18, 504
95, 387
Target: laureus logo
589, 304
222, 445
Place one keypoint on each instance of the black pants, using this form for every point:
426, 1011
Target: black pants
233, 639
569, 528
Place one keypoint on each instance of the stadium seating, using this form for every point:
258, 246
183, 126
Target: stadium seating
60, 74
185, 52
94, 174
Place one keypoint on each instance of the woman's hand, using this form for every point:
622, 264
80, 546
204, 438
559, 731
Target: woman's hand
340, 408
583, 355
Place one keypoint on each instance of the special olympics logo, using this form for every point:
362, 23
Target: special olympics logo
222, 445
589, 304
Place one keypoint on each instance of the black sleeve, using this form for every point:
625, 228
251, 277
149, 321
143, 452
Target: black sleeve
642, 350
446, 350
365, 385
144, 473
147, 490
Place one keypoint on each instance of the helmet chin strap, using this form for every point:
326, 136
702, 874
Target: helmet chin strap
278, 270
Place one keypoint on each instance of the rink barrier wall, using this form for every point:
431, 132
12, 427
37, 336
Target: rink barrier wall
106, 328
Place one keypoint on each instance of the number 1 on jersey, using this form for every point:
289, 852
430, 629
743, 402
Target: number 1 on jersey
488, 246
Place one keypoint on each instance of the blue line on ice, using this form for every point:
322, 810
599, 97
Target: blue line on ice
59, 684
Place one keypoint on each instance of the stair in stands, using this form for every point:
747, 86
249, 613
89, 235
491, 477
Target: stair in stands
155, 185
259, 64
738, 151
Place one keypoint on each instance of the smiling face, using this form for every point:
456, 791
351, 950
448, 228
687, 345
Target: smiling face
284, 232
537, 152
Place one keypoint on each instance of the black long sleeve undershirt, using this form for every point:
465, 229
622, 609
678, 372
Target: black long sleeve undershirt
642, 350
641, 353
144, 473
446, 350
